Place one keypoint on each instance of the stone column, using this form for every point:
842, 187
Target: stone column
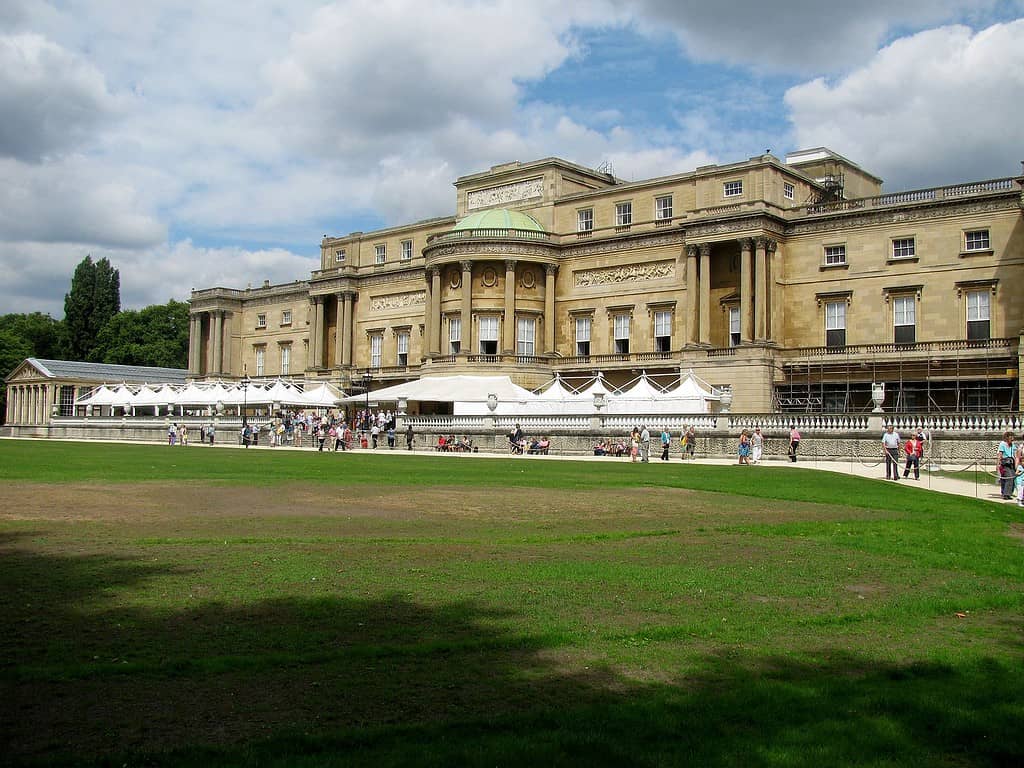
467, 306
428, 318
551, 271
746, 305
704, 335
509, 332
346, 346
318, 349
193, 356
218, 342
770, 265
435, 311
339, 337
693, 303
209, 343
760, 289
314, 329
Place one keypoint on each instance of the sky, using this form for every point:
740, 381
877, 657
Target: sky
213, 143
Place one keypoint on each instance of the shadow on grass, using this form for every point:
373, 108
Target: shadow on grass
339, 681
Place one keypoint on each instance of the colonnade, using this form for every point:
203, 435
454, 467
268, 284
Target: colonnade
507, 343
218, 320
754, 291
29, 403
318, 330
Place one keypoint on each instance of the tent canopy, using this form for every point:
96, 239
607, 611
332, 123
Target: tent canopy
448, 389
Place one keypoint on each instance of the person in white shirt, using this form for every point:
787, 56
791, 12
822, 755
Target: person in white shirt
891, 452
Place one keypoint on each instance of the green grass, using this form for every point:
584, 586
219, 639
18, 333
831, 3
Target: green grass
203, 606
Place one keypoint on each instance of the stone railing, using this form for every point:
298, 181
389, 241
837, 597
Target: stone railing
918, 196
1005, 346
491, 234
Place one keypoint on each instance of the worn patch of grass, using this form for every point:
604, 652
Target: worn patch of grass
167, 606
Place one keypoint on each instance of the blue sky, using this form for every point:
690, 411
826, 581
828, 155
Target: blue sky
213, 143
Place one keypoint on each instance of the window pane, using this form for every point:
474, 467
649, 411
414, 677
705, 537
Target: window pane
622, 326
286, 359
582, 329
488, 328
663, 208
662, 323
455, 329
403, 343
585, 220
835, 315
978, 240
978, 305
526, 329
903, 249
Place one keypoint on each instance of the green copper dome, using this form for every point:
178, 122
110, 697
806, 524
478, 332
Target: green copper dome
498, 218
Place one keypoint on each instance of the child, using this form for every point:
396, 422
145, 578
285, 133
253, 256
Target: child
1018, 485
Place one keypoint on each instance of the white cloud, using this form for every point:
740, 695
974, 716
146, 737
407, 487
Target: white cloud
810, 36
941, 106
51, 99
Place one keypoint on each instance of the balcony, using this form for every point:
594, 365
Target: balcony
952, 192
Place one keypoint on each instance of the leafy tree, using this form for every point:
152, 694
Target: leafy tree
156, 335
95, 297
13, 349
44, 335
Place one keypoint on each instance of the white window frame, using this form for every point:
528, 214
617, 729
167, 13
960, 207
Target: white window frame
732, 188
584, 327
979, 309
977, 240
376, 349
286, 359
261, 320
406, 250
835, 319
835, 255
339, 256
663, 208
286, 317
526, 336
624, 213
260, 353
735, 332
663, 330
488, 331
380, 254
788, 190
402, 348
904, 314
904, 248
585, 220
454, 334
620, 333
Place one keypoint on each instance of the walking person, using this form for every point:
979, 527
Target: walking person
794, 442
666, 441
891, 452
912, 449
757, 446
645, 444
408, 437
744, 448
1006, 466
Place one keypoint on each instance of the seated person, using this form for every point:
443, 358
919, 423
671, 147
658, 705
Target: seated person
600, 449
542, 446
441, 442
465, 444
620, 449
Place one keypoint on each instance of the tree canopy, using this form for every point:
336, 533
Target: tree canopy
94, 298
156, 335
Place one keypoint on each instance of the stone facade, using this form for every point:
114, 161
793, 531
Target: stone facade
796, 283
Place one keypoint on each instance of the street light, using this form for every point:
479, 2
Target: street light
367, 378
245, 398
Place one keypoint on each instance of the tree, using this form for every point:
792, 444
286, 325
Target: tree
43, 334
13, 349
95, 297
156, 335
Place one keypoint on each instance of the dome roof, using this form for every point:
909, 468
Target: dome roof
499, 218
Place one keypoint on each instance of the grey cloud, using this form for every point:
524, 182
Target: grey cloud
51, 100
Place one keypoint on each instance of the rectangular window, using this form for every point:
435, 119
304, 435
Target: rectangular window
585, 220
903, 248
977, 240
286, 359
734, 326
261, 320
835, 254
67, 401
406, 250
339, 256
788, 190
488, 334
732, 189
402, 357
261, 360
380, 254
455, 334
526, 333
621, 329
583, 336
663, 331
903, 319
623, 214
978, 316
376, 349
286, 317
835, 324
663, 208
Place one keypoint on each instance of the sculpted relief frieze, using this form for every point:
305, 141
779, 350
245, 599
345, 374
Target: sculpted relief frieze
628, 273
397, 301
505, 193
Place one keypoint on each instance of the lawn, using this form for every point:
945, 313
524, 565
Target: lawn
214, 606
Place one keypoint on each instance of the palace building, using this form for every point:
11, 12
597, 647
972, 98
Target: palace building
797, 284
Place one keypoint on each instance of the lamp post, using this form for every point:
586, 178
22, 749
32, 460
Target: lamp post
245, 398
367, 378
